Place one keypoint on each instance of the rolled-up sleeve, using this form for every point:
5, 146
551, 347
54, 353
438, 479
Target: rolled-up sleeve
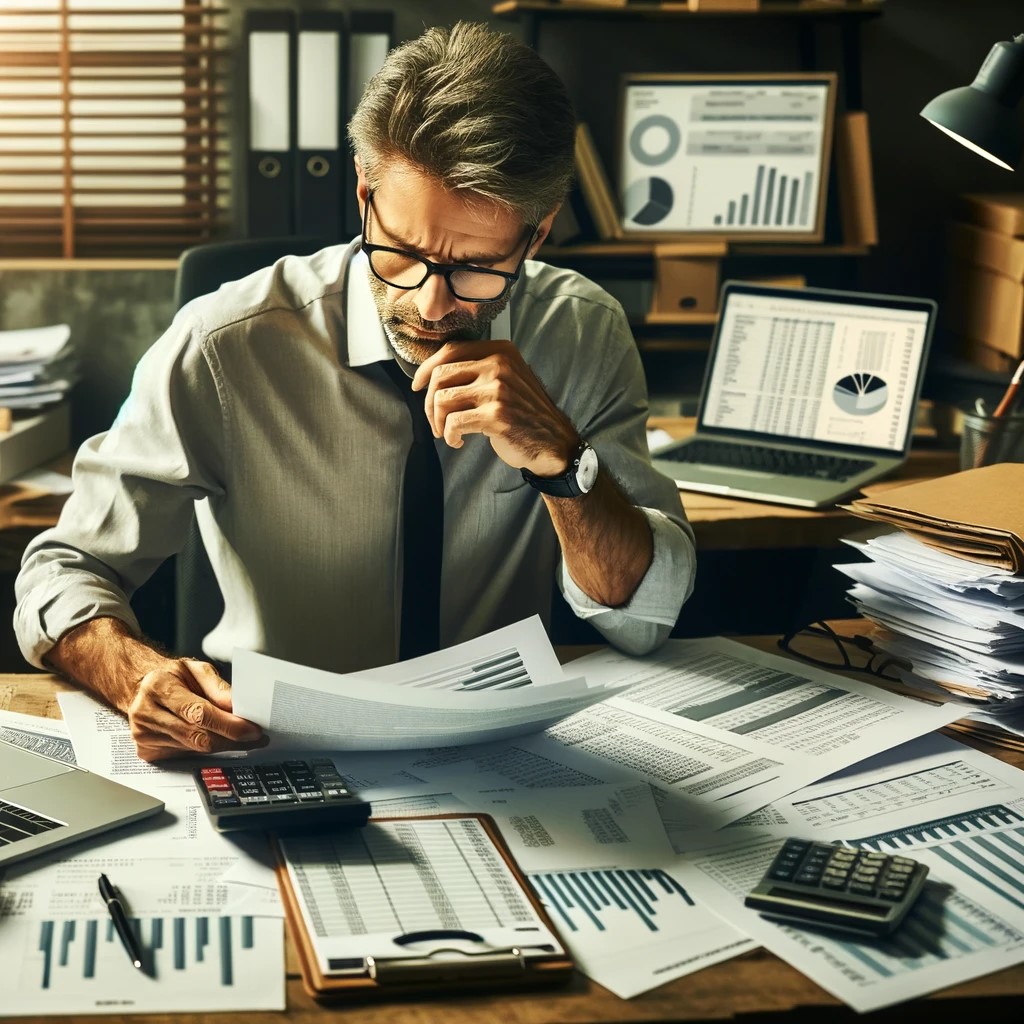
134, 490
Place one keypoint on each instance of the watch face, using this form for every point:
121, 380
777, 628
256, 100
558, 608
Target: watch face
586, 472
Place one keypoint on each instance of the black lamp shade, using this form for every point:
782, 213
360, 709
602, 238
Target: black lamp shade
983, 115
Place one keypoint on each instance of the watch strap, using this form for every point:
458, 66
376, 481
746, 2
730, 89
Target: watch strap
564, 486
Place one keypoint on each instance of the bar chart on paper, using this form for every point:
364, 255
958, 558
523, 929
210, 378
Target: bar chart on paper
633, 929
191, 964
959, 826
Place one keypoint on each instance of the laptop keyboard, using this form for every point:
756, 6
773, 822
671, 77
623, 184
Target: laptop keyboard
784, 462
17, 823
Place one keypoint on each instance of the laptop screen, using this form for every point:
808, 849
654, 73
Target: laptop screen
817, 366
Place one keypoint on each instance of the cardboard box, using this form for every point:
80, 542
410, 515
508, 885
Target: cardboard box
986, 307
33, 440
984, 356
996, 211
686, 277
1002, 253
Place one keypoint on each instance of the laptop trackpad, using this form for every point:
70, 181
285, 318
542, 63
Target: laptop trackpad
21, 767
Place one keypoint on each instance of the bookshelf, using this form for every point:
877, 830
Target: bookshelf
818, 26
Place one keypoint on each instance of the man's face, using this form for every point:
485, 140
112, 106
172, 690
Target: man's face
411, 211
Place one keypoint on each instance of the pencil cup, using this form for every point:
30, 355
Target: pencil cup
985, 440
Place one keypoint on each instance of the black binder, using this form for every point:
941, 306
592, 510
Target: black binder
269, 56
321, 152
371, 36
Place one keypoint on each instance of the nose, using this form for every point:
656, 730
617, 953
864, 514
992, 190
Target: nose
434, 299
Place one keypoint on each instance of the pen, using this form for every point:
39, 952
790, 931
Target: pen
1010, 394
110, 896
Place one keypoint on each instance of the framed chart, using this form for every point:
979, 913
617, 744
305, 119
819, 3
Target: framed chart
741, 156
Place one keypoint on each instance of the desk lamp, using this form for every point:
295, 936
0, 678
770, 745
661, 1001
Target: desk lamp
983, 115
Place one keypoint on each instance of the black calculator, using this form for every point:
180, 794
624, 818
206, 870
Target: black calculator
837, 887
280, 796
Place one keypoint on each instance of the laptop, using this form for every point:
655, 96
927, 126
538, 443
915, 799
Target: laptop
46, 803
808, 394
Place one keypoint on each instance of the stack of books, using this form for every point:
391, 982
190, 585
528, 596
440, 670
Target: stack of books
944, 591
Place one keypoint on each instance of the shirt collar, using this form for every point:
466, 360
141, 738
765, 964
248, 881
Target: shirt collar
367, 342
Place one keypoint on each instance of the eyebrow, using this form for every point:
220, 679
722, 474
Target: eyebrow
403, 243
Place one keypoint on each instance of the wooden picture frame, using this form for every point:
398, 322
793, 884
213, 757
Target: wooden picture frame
733, 157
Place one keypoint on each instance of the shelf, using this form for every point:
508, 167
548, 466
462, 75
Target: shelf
674, 320
673, 344
654, 11
86, 263
645, 250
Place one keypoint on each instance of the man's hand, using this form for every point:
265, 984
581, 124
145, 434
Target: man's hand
183, 707
175, 706
485, 387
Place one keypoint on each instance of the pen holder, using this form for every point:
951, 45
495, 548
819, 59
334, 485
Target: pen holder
985, 440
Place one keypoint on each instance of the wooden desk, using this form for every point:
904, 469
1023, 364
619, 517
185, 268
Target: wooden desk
756, 983
735, 524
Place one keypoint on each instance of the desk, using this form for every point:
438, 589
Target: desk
757, 983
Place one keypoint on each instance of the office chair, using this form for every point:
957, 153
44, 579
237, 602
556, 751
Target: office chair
198, 604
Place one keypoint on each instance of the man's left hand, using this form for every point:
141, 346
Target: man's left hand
485, 387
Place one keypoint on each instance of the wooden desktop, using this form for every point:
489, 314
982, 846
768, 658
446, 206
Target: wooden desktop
757, 983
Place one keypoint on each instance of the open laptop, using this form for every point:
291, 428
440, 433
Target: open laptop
45, 803
808, 394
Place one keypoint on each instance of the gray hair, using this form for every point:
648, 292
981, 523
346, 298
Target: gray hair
475, 109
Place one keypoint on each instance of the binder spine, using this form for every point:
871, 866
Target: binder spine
270, 125
320, 150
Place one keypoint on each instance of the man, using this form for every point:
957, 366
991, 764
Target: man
273, 411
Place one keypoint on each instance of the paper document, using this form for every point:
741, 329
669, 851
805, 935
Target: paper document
506, 683
77, 965
47, 736
362, 890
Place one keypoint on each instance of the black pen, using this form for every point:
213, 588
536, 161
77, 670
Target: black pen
124, 930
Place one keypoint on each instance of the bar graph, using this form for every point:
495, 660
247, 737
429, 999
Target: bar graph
939, 830
775, 199
610, 900
995, 861
189, 964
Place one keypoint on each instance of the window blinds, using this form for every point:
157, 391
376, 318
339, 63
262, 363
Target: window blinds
111, 139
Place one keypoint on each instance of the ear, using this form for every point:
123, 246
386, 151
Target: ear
543, 229
362, 188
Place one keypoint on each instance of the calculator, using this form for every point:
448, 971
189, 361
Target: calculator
281, 796
837, 887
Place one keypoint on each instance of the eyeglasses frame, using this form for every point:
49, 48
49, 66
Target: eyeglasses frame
444, 269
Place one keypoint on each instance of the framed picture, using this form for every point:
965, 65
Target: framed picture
742, 156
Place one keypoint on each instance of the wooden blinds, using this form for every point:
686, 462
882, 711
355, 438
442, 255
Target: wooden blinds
110, 127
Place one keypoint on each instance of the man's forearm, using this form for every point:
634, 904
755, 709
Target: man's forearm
103, 656
606, 542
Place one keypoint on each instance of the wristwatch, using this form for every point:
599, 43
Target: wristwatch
578, 479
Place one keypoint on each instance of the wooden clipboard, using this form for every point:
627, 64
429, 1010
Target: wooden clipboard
536, 971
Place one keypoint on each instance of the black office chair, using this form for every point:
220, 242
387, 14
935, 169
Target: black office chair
198, 604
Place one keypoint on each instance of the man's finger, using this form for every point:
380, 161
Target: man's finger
212, 686
199, 715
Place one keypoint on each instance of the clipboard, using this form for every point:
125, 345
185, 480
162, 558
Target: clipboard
431, 959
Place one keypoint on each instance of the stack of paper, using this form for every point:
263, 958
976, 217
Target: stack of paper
947, 593
37, 366
976, 514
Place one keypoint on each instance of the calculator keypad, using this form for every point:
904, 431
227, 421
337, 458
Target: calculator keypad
859, 890
301, 789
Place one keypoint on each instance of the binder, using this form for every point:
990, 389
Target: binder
269, 56
320, 150
370, 37
354, 868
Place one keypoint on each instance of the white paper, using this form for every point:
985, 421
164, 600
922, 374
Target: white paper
77, 965
47, 736
47, 480
33, 344
958, 929
503, 684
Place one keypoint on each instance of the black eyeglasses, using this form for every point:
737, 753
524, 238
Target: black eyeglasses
846, 653
407, 270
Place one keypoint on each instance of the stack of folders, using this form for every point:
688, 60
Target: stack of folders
945, 591
37, 366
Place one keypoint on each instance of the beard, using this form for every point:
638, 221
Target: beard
458, 325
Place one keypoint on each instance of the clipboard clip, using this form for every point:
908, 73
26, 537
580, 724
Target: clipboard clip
445, 964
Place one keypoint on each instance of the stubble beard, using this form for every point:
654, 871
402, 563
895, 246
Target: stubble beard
458, 325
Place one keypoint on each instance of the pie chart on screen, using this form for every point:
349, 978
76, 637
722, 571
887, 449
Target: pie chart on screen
647, 201
861, 394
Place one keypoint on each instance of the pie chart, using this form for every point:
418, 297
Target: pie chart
860, 394
647, 201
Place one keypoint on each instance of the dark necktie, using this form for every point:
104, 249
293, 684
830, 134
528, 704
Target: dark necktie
422, 529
